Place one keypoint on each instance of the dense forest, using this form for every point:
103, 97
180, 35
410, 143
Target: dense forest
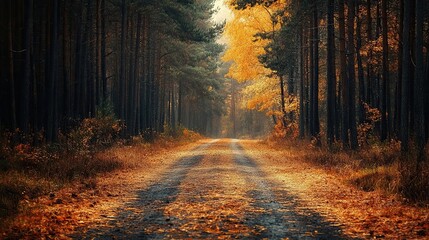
348, 72
323, 106
153, 64
340, 72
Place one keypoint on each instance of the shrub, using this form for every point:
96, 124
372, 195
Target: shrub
365, 129
29, 169
414, 182
92, 134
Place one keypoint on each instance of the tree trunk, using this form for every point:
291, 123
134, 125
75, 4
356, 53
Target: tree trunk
352, 74
282, 98
52, 84
419, 82
103, 50
315, 84
233, 108
398, 90
122, 73
11, 71
78, 64
98, 53
369, 72
25, 87
361, 75
343, 76
311, 80
301, 85
385, 112
90, 62
405, 88
133, 93
331, 76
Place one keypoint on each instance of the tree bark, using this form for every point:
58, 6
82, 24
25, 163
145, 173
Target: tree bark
419, 82
405, 88
343, 76
331, 78
385, 106
369, 70
398, 89
11, 71
25, 87
122, 73
315, 97
103, 50
352, 74
301, 85
52, 84
282, 100
361, 74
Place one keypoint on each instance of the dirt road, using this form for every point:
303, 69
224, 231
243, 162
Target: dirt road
216, 191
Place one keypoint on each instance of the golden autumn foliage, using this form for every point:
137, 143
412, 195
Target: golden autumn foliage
261, 94
244, 47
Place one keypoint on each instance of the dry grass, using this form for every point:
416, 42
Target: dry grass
88, 200
29, 180
27, 172
333, 183
379, 167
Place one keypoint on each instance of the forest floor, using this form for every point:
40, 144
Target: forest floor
218, 189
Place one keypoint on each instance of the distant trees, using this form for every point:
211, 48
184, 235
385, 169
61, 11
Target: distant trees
374, 71
154, 61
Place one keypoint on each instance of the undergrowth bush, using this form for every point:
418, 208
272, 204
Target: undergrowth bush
374, 167
28, 169
414, 181
92, 134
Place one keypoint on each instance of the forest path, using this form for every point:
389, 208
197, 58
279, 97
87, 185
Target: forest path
217, 191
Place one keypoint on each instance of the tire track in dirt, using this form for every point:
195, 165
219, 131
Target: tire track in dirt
276, 211
215, 192
137, 219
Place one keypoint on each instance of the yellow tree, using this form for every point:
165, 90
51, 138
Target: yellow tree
244, 48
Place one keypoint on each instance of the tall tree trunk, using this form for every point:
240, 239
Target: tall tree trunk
291, 89
361, 75
78, 64
311, 79
369, 73
103, 50
301, 85
52, 84
343, 76
180, 104
405, 86
122, 73
385, 106
412, 37
98, 53
352, 74
90, 62
66, 61
25, 87
173, 107
331, 79
133, 92
282, 99
233, 109
315, 84
419, 82
398, 90
129, 104
11, 71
